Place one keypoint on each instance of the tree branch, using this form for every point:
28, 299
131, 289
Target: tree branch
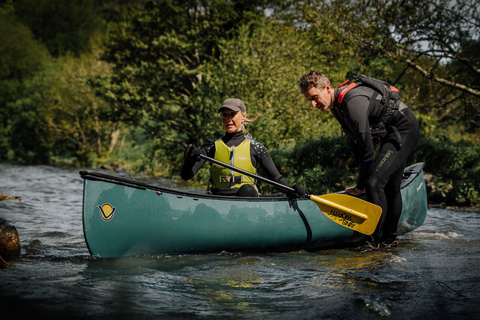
443, 81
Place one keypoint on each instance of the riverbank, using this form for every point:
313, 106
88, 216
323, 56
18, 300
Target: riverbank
441, 195
475, 209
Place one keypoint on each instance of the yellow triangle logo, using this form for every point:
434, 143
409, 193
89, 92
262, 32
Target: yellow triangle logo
106, 211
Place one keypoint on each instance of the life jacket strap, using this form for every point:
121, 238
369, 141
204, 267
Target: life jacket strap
345, 90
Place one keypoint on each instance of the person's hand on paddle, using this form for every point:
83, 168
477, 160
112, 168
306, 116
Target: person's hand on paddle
300, 192
354, 191
192, 153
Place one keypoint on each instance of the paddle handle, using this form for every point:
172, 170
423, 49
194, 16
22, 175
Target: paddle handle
279, 186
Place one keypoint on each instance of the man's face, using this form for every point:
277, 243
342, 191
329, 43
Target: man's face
320, 99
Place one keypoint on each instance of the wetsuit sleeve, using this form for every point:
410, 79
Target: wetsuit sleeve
190, 168
261, 156
356, 116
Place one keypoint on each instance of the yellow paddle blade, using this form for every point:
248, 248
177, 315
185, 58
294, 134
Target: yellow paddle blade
350, 212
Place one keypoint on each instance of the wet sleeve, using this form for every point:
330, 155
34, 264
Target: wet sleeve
357, 112
261, 156
190, 168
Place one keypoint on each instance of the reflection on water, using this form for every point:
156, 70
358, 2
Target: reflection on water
434, 272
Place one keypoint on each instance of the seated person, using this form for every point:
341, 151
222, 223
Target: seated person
236, 147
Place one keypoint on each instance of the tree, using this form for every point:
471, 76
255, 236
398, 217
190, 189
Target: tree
431, 38
175, 62
47, 107
58, 115
63, 26
21, 57
159, 52
262, 65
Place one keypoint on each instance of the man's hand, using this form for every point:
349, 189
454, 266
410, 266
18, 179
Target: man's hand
354, 191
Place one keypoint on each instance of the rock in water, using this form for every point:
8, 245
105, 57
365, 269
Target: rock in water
9, 242
2, 197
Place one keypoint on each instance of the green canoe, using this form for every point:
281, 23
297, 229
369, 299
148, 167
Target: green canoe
126, 217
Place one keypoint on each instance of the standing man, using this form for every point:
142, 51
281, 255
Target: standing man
371, 112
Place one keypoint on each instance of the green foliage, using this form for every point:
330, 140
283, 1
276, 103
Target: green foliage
325, 165
174, 66
158, 55
21, 57
135, 153
321, 164
28, 130
447, 159
457, 164
6, 8
63, 26
260, 65
56, 114
428, 49
428, 126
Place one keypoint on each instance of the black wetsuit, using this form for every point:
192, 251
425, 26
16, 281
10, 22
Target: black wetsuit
258, 153
380, 175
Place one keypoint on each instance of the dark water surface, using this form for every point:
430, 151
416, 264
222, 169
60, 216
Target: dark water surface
433, 274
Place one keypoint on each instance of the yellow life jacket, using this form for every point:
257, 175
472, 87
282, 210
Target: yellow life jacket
239, 157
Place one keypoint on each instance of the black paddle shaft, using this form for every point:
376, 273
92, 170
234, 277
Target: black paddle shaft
279, 186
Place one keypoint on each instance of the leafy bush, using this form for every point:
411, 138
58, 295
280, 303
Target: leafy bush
326, 164
454, 164
322, 165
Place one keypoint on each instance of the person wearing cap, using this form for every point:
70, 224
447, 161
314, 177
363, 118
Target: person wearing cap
237, 148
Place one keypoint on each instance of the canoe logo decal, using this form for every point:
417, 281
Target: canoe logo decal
106, 211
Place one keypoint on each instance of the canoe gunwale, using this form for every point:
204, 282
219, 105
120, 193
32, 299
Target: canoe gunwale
410, 174
98, 176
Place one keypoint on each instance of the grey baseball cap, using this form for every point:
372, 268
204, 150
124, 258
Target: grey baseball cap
233, 104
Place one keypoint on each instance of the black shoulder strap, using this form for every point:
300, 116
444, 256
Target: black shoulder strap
387, 91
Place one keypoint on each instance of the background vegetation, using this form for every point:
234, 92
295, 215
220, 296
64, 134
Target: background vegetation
128, 84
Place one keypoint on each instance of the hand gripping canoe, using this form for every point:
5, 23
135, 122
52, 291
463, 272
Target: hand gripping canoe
348, 211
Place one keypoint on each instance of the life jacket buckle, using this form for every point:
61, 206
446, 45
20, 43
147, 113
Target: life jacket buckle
231, 179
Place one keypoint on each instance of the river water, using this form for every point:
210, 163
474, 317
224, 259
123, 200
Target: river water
434, 273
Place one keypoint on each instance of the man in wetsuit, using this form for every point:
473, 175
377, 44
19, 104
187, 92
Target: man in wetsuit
236, 147
358, 112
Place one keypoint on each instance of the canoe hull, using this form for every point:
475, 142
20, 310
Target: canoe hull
123, 217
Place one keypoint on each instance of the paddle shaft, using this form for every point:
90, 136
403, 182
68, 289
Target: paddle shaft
368, 213
279, 186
